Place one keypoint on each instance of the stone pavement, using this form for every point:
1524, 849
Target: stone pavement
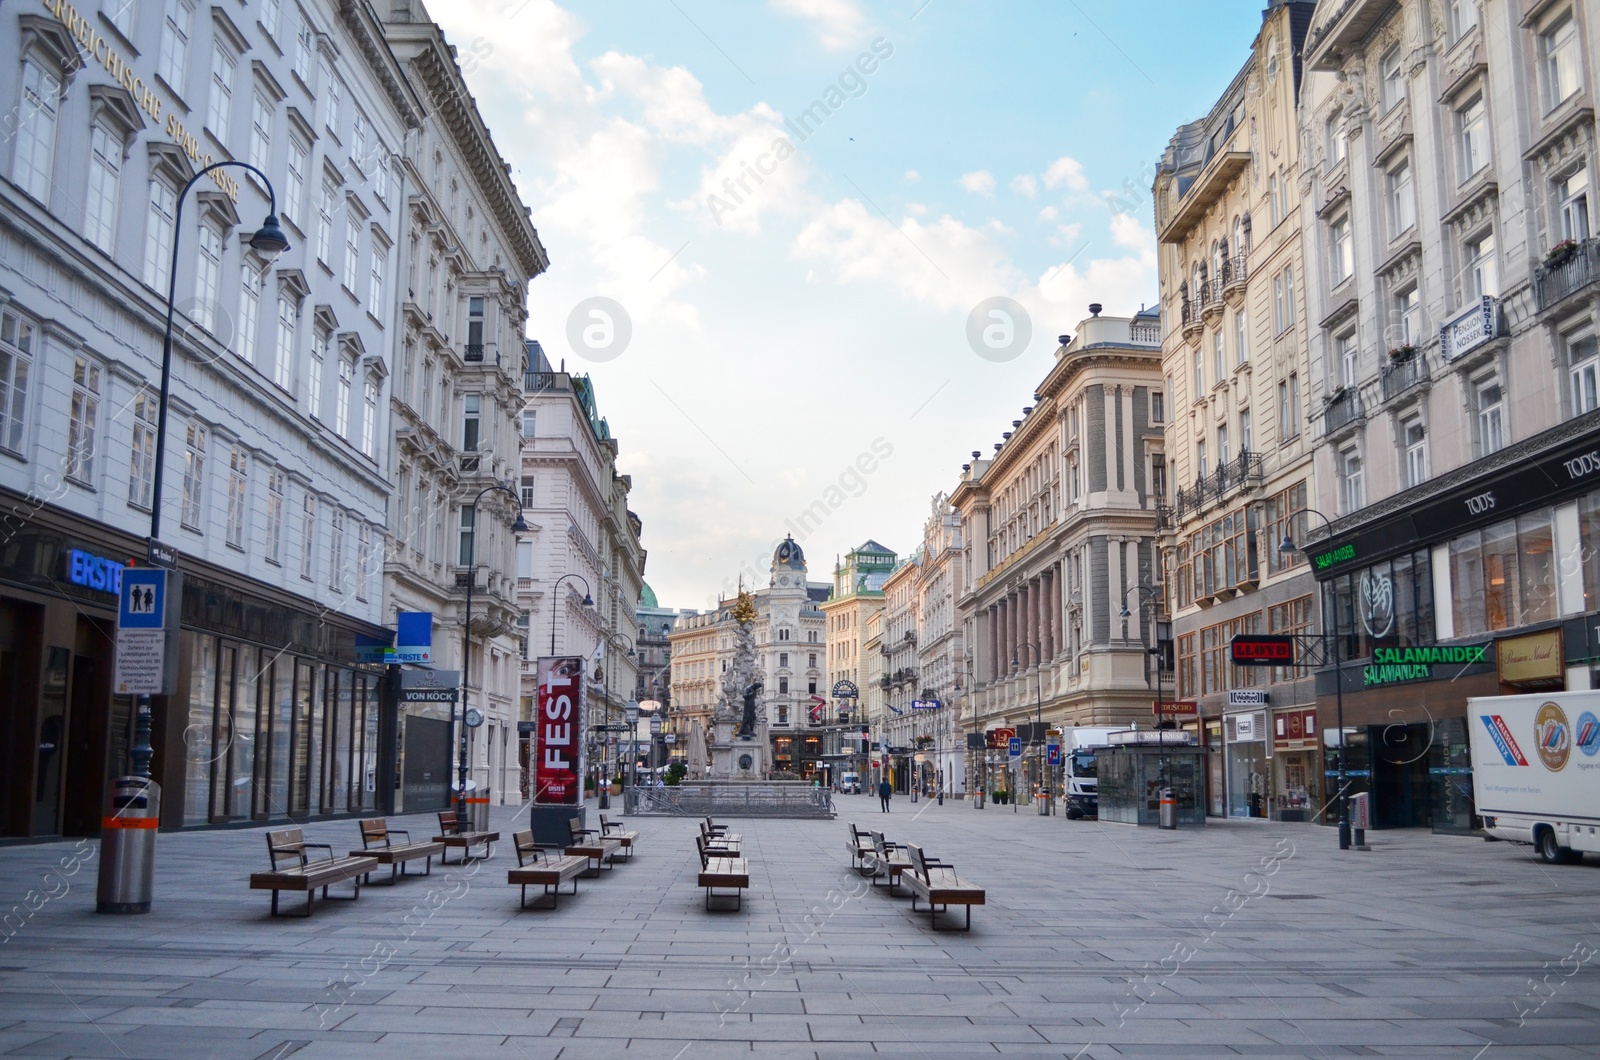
1099, 940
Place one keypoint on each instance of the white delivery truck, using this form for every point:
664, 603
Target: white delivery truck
1536, 770
1078, 768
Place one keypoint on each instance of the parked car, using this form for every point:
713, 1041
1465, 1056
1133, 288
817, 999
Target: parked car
849, 784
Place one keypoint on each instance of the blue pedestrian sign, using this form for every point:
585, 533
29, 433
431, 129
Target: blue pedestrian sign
1015, 746
1053, 753
144, 599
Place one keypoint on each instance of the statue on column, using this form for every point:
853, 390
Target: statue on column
747, 725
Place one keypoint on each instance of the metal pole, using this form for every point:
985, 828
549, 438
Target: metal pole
466, 665
1338, 695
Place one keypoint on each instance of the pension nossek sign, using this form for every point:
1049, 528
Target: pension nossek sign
1415, 664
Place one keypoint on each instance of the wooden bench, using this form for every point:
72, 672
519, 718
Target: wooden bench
725, 872
718, 835
293, 871
455, 833
712, 849
860, 848
589, 843
615, 830
538, 864
892, 860
937, 884
377, 840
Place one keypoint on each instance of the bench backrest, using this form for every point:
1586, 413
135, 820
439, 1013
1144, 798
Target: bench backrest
526, 847
575, 829
286, 846
375, 831
450, 823
919, 864
859, 835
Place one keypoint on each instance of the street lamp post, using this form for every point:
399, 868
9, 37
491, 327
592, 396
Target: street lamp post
1038, 734
518, 527
605, 791
555, 593
269, 241
1287, 548
1153, 598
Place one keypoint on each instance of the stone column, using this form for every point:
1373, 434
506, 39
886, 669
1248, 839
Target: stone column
992, 618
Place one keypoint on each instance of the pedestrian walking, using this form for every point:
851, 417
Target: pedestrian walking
884, 791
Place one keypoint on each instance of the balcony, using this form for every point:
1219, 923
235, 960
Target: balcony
1244, 472
1344, 408
1235, 271
1474, 326
472, 353
1401, 376
539, 382
1564, 275
1211, 299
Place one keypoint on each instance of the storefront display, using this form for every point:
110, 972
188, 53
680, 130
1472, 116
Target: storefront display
1295, 765
1248, 778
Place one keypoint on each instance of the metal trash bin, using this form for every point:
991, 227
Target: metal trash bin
477, 806
1169, 809
128, 846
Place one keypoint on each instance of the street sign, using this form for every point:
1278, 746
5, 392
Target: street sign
1176, 706
670, 737
1053, 753
925, 704
429, 686
1247, 697
1262, 649
162, 555
142, 649
1014, 746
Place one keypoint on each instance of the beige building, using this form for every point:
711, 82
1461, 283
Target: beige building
857, 595
1057, 525
873, 706
901, 682
1453, 280
941, 647
1229, 218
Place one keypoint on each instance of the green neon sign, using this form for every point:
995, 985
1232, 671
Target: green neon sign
1392, 665
1342, 554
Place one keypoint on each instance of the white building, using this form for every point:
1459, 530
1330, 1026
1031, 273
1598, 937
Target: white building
275, 474
470, 251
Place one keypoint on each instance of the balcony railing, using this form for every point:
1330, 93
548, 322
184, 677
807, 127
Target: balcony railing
1401, 376
473, 352
1243, 472
1562, 279
1343, 408
1235, 270
535, 382
1144, 334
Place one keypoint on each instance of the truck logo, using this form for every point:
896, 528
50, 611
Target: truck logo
1504, 742
1554, 738
1588, 736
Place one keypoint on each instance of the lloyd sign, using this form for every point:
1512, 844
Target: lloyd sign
558, 732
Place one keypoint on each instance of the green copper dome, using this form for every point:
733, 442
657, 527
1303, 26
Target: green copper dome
647, 597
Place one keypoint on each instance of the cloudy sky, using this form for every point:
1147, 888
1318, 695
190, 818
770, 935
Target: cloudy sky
798, 206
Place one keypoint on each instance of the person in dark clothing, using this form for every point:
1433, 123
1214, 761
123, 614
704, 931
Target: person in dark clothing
884, 791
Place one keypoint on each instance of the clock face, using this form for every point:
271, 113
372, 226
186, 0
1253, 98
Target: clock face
474, 718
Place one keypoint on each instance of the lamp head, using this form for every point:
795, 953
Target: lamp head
587, 602
521, 525
1287, 547
1015, 662
269, 239
1124, 613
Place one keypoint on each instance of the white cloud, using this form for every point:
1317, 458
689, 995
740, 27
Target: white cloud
1126, 231
840, 24
980, 181
912, 176
1049, 213
1025, 184
1068, 172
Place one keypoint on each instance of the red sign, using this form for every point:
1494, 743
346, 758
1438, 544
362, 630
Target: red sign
1176, 706
1294, 728
558, 732
1262, 650
1001, 738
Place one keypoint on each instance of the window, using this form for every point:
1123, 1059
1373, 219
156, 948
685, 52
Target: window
271, 10
1572, 193
142, 459
352, 253
1402, 203
475, 325
1292, 619
1393, 77
294, 185
1341, 253
1246, 438
238, 494
105, 185
333, 98
1158, 476
314, 374
1199, 374
194, 476
1583, 370
530, 420
363, 559
1222, 446
288, 314
1286, 518
1337, 147
249, 310
120, 12
342, 398
369, 416
469, 522
1346, 360
207, 278
359, 141
527, 493
305, 48
160, 228
380, 170
1289, 408
1491, 426
811, 658
1406, 581
1276, 209
783, 685
219, 111
1481, 276
84, 422
470, 406
175, 43
1472, 137
1558, 51
1219, 358
325, 223
308, 538
1241, 337
1414, 445
1462, 15
1504, 575
377, 280
1352, 491
275, 490
783, 660
1200, 458
1408, 316
336, 550
260, 132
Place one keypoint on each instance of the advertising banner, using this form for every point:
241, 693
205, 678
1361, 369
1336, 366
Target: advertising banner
558, 732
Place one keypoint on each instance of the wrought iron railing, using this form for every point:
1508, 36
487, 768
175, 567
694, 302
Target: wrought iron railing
1235, 270
1243, 471
775, 798
1562, 279
1343, 408
1401, 376
473, 351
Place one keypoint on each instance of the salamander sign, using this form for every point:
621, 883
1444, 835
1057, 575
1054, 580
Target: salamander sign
1415, 664
558, 732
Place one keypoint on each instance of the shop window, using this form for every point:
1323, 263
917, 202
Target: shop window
1388, 604
1589, 533
1504, 575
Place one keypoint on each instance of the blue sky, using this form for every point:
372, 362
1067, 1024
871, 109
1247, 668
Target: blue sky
786, 334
